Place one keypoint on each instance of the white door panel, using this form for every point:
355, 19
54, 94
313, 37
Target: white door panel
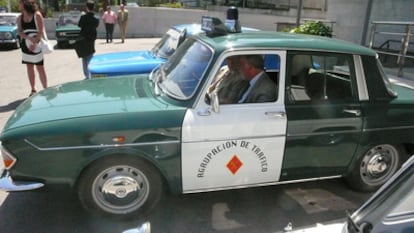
235, 121
242, 145
231, 164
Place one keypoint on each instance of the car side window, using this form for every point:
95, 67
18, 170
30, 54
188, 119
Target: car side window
251, 78
320, 77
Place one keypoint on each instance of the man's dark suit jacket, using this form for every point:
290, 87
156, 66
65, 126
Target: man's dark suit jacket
264, 90
85, 45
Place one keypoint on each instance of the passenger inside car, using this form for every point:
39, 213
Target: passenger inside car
229, 83
261, 87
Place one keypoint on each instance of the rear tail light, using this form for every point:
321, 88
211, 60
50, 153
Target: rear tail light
8, 159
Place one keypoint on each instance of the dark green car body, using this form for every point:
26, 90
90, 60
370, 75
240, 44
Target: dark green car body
362, 127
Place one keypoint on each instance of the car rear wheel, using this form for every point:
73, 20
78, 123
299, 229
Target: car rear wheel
375, 167
120, 187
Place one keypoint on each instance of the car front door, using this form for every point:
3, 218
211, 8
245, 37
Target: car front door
242, 145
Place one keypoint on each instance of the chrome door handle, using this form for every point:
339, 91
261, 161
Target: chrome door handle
276, 114
356, 112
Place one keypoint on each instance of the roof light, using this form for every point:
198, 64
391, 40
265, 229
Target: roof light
232, 19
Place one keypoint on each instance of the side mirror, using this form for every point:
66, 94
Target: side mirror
144, 228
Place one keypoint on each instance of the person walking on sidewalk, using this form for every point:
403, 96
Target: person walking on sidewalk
30, 27
85, 45
109, 18
122, 20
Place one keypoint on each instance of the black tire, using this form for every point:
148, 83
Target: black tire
375, 167
120, 187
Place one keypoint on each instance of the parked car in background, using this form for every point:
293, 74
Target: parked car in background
132, 4
143, 61
9, 35
67, 29
121, 142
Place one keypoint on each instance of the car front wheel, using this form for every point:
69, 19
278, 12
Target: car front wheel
375, 167
120, 187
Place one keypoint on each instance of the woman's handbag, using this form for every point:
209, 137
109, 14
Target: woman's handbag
45, 46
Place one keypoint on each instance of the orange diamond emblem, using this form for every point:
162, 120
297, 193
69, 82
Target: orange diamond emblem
234, 164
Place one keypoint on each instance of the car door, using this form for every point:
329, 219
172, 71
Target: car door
325, 117
241, 145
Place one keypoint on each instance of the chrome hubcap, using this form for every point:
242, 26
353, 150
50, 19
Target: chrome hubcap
121, 189
379, 164
376, 165
120, 186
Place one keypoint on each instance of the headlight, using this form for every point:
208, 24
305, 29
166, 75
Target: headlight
62, 33
8, 36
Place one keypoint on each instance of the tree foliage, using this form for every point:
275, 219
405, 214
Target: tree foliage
314, 28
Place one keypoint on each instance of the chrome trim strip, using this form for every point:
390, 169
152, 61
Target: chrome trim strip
389, 128
235, 139
100, 146
261, 184
323, 133
360, 78
7, 184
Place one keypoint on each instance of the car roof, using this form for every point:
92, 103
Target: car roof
195, 28
9, 14
284, 40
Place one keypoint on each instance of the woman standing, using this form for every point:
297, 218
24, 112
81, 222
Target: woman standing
31, 28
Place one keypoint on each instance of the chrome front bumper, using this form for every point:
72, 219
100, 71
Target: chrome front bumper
7, 184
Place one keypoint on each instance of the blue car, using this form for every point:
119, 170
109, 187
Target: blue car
143, 61
8, 30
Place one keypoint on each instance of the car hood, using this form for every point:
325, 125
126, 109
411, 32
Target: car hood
8, 28
84, 99
67, 28
132, 62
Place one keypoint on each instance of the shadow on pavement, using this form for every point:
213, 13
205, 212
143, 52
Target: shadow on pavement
264, 209
11, 106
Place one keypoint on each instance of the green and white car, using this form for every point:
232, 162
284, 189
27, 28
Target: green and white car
67, 29
121, 142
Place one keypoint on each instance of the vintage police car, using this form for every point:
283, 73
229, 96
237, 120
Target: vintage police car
8, 30
67, 29
121, 141
143, 61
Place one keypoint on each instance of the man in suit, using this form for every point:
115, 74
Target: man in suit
262, 88
85, 45
229, 83
122, 20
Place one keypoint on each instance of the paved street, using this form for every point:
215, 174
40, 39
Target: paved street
265, 210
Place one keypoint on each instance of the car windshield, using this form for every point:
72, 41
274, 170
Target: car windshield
180, 76
168, 44
70, 19
7, 20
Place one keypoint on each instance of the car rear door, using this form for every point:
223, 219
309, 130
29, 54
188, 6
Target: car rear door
325, 116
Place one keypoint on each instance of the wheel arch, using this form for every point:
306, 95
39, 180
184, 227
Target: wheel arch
124, 152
